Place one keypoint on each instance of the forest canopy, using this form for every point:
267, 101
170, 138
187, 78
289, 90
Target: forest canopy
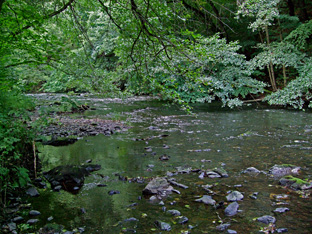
183, 51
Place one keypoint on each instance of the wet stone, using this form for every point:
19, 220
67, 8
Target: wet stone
281, 230
206, 199
32, 192
164, 157
230, 231
267, 219
295, 183
235, 196
18, 219
163, 226
183, 220
251, 170
174, 212
281, 210
12, 226
112, 192
222, 172
158, 185
32, 221
231, 209
223, 227
284, 169
34, 213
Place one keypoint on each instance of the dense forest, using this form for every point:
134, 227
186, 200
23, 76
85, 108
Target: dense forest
183, 51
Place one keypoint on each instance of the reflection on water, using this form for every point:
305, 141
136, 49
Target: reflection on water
236, 139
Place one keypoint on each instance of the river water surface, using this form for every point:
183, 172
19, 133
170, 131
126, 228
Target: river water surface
255, 136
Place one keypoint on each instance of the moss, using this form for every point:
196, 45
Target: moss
287, 165
296, 180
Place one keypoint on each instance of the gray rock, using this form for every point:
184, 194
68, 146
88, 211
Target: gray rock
32, 192
163, 226
12, 226
281, 210
223, 227
18, 219
222, 172
32, 221
284, 169
295, 183
235, 196
251, 170
34, 213
206, 199
281, 230
158, 185
267, 219
183, 220
230, 231
231, 209
174, 212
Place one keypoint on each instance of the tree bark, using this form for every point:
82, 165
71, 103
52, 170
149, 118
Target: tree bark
291, 7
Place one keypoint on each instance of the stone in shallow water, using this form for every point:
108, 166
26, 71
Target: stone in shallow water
230, 231
284, 169
281, 230
281, 210
295, 183
34, 213
251, 170
221, 171
235, 196
112, 192
206, 199
32, 221
183, 220
231, 209
158, 185
174, 212
223, 227
32, 192
267, 219
163, 226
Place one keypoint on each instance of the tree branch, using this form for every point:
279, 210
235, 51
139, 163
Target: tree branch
45, 17
109, 14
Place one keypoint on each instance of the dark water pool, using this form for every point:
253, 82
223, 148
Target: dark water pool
255, 136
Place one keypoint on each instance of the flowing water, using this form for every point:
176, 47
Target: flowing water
255, 136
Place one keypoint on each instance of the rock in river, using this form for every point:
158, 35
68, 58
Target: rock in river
206, 200
295, 183
32, 191
267, 219
235, 196
251, 170
163, 226
284, 169
69, 177
231, 209
158, 185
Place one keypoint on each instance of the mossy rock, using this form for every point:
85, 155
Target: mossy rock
295, 183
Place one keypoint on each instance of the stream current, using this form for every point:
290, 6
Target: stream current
255, 136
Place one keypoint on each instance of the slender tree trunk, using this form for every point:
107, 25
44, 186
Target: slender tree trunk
270, 66
284, 67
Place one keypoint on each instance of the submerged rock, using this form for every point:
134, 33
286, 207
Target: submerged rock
183, 220
158, 185
235, 196
69, 177
295, 183
206, 200
267, 219
163, 226
231, 209
284, 169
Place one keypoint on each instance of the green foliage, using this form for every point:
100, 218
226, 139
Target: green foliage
299, 36
298, 92
15, 142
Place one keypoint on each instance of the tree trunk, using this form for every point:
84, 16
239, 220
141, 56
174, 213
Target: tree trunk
291, 7
270, 66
